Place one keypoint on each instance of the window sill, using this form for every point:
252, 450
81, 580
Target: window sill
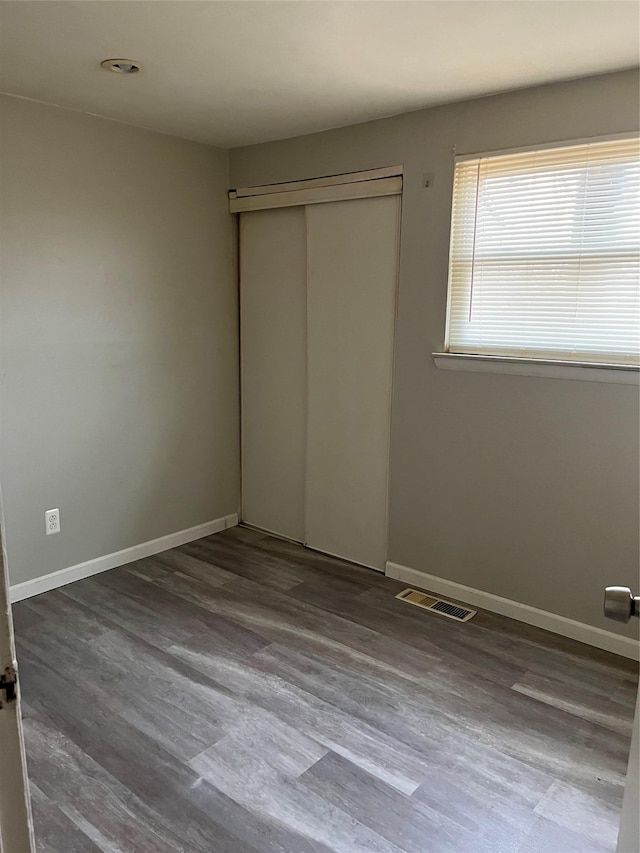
621, 374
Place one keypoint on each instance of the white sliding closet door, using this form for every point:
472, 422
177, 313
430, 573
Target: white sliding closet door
274, 366
352, 257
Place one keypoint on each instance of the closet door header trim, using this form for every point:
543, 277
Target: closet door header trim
375, 182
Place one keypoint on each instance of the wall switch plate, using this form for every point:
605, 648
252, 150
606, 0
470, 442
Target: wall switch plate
52, 521
428, 179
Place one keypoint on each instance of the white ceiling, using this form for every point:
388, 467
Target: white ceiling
234, 73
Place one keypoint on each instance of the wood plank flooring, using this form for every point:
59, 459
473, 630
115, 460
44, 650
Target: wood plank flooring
241, 694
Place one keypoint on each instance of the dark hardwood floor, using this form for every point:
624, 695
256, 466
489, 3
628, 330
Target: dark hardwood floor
242, 694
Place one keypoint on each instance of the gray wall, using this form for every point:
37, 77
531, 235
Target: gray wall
523, 487
119, 336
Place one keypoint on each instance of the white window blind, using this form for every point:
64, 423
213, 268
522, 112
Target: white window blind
544, 258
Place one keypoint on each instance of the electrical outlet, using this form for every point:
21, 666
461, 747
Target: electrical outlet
52, 521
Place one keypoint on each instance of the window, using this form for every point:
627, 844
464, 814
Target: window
544, 258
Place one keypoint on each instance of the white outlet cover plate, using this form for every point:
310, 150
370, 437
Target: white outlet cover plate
52, 521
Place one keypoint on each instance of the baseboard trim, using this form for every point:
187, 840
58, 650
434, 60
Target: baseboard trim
27, 589
589, 634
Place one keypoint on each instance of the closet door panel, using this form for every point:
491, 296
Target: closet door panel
274, 355
352, 255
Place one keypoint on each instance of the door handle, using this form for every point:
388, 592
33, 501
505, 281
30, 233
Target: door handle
620, 604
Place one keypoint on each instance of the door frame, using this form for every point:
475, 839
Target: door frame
629, 832
16, 824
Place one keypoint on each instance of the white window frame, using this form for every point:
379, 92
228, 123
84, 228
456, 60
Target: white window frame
527, 366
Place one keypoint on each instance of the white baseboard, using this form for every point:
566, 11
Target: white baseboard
119, 558
589, 634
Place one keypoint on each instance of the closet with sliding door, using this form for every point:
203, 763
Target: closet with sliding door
318, 282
